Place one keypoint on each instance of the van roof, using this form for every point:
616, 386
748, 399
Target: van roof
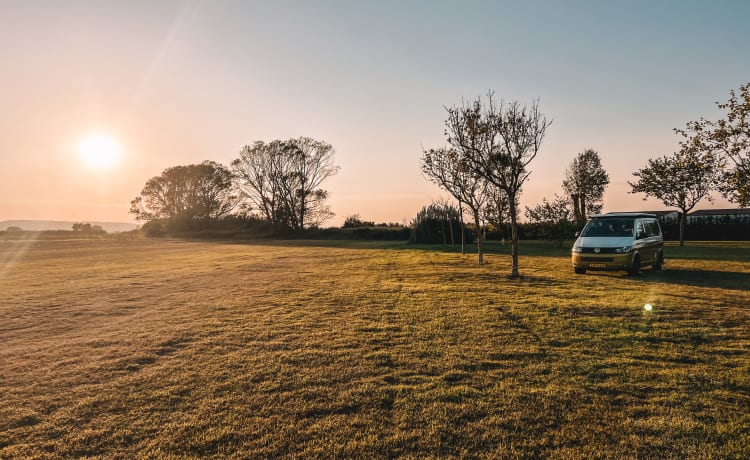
623, 214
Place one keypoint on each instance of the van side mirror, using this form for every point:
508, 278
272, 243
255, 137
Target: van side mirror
577, 234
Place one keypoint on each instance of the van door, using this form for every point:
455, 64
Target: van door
652, 241
644, 243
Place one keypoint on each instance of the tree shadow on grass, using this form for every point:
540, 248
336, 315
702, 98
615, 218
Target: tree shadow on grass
701, 278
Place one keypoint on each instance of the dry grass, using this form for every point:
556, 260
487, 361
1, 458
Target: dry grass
170, 349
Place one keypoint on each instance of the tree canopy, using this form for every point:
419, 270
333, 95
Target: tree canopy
282, 179
727, 138
585, 182
680, 180
197, 192
554, 217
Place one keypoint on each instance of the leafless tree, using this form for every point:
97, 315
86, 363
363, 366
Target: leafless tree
499, 142
447, 168
282, 180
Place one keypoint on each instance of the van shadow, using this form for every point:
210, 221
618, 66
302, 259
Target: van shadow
700, 278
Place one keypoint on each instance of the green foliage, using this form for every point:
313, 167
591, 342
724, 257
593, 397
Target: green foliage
379, 232
680, 180
438, 223
553, 219
729, 139
585, 182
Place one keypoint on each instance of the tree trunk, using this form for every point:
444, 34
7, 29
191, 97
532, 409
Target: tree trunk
479, 237
576, 208
582, 202
450, 225
682, 227
463, 233
513, 237
445, 236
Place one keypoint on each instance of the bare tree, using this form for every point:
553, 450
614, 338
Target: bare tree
585, 182
447, 168
499, 142
259, 173
282, 180
496, 208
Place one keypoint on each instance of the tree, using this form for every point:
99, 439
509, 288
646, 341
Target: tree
447, 168
680, 180
355, 221
194, 193
496, 209
87, 228
499, 142
553, 216
585, 182
282, 180
437, 223
729, 139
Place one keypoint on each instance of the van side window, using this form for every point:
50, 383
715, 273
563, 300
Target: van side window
640, 231
652, 228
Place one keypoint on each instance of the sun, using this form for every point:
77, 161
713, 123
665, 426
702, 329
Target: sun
99, 151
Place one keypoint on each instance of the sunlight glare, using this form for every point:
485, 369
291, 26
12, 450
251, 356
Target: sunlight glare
99, 151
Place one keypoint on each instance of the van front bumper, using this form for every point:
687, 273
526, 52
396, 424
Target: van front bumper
602, 261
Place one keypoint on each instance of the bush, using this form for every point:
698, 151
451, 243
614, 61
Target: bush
438, 223
376, 233
154, 228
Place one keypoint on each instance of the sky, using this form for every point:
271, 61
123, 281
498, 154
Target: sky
168, 83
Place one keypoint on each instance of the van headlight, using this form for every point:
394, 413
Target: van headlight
623, 250
577, 249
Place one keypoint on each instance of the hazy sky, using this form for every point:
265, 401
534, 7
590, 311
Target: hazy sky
179, 82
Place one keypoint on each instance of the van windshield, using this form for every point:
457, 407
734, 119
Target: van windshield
609, 227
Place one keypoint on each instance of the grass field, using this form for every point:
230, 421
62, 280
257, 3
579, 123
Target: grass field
179, 349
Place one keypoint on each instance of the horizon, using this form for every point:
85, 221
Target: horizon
110, 94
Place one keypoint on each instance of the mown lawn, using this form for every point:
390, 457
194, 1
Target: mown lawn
177, 349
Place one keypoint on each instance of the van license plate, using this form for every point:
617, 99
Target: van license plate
597, 265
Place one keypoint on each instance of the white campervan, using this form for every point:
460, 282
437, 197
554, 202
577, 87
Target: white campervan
619, 241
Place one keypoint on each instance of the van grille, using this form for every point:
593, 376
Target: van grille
601, 250
598, 259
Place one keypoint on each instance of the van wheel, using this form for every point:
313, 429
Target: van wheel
579, 271
659, 261
636, 267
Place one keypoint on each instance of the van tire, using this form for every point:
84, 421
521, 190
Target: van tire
635, 268
659, 261
579, 271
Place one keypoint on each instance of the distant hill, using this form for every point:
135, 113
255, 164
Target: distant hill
37, 225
